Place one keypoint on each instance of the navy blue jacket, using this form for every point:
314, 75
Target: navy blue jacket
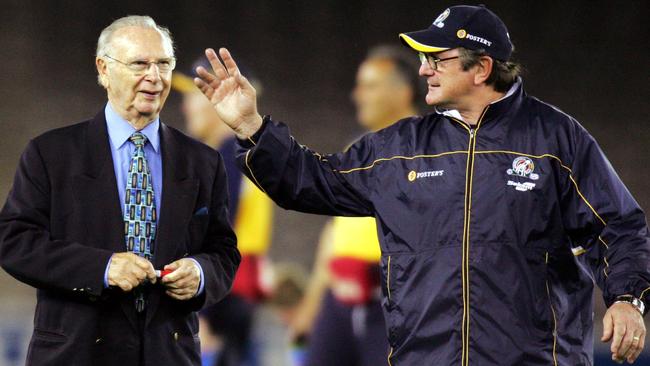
492, 236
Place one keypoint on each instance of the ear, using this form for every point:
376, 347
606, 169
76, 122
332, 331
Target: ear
483, 69
102, 71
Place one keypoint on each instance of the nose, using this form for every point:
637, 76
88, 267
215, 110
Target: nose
425, 69
152, 73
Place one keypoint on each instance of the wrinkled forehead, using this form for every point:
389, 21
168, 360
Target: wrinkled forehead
136, 42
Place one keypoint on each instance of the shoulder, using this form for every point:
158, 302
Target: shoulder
560, 128
62, 134
540, 111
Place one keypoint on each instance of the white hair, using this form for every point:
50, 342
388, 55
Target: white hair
143, 21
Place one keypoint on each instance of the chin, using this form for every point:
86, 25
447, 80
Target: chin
148, 110
431, 100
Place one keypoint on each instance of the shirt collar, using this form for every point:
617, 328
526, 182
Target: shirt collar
119, 130
456, 114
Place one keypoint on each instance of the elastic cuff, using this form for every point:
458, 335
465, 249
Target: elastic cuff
250, 142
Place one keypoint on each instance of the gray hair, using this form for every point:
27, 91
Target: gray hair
144, 21
504, 73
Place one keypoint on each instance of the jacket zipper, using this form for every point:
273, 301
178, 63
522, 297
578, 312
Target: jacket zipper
390, 354
548, 292
465, 245
465, 249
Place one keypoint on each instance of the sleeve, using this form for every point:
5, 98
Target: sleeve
199, 291
27, 250
601, 215
299, 179
219, 257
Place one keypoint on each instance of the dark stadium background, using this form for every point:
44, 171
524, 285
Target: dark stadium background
586, 57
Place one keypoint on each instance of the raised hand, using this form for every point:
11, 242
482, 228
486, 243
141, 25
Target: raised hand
233, 97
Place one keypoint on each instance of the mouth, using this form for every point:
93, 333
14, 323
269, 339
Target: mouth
150, 94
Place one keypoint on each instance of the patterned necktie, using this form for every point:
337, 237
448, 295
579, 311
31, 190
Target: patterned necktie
139, 209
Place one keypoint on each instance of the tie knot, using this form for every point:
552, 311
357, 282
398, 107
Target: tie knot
138, 139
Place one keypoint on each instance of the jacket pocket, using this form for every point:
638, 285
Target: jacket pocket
49, 336
395, 273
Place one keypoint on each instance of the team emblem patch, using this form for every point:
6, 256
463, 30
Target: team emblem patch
441, 18
523, 167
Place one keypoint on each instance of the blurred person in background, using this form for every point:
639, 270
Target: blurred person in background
97, 207
289, 284
226, 327
496, 213
341, 315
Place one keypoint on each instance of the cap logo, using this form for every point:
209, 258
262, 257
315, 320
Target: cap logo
478, 39
461, 33
441, 18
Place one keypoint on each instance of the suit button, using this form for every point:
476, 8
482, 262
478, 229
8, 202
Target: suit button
99, 341
176, 336
74, 289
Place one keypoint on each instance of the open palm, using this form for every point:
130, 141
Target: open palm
232, 96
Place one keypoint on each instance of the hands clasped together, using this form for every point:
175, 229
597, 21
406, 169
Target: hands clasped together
127, 271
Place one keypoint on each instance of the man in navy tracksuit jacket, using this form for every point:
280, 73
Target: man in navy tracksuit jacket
496, 214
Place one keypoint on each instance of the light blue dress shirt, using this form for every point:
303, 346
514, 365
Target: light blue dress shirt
119, 131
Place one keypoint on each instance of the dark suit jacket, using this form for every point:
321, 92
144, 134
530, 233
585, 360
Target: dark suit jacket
63, 220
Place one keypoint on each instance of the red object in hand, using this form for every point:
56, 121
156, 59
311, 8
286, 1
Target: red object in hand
163, 273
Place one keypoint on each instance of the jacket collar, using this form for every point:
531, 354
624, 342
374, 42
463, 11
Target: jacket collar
511, 99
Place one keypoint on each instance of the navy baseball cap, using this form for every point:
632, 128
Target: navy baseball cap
470, 27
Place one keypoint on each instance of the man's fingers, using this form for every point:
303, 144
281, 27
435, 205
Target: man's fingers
229, 62
634, 350
150, 272
206, 89
207, 77
626, 346
179, 295
217, 66
183, 282
177, 275
640, 347
619, 332
126, 285
144, 264
138, 274
608, 329
246, 86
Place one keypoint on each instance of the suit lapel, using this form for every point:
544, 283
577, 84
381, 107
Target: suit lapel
96, 190
179, 194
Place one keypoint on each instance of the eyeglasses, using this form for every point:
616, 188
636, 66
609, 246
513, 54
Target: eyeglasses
164, 65
432, 60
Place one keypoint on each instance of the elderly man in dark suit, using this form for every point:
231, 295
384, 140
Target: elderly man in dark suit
100, 209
